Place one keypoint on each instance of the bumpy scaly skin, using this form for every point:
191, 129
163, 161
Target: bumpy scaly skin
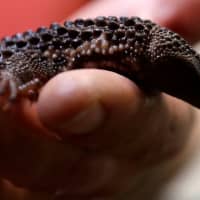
152, 56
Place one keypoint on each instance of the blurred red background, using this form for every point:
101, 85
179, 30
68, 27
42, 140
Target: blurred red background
19, 15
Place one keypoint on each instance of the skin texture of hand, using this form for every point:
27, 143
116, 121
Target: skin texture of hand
113, 138
93, 134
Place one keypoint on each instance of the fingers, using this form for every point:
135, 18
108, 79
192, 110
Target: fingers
81, 101
118, 129
94, 109
122, 133
117, 8
102, 110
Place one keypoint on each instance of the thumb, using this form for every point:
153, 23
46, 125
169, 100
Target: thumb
85, 101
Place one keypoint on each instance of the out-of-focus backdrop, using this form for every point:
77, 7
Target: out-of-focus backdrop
19, 15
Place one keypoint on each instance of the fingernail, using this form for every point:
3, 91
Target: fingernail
85, 121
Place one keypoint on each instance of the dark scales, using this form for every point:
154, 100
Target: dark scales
152, 56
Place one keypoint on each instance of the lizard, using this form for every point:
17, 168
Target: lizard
154, 57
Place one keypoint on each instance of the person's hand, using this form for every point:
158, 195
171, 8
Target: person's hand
110, 133
94, 134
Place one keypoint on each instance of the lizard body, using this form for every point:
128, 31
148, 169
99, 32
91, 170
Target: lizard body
152, 56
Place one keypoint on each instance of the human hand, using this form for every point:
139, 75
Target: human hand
103, 151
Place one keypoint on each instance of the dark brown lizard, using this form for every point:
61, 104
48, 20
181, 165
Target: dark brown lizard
156, 58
